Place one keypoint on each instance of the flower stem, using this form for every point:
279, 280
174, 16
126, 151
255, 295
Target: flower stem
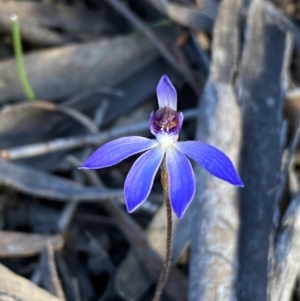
167, 262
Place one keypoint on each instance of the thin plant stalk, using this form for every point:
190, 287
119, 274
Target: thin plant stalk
169, 242
17, 45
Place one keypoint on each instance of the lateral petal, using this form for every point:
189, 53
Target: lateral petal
166, 94
117, 150
212, 159
181, 181
139, 180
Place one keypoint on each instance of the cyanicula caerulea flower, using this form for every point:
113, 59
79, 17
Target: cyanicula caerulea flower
165, 124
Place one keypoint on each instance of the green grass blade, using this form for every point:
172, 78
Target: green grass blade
17, 45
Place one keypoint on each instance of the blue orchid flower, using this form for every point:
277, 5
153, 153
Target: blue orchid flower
165, 124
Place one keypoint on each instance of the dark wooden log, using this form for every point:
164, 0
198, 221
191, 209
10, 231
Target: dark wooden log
261, 86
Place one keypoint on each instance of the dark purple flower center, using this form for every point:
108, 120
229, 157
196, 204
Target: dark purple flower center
165, 119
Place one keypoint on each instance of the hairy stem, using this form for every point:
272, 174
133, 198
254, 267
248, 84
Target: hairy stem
167, 262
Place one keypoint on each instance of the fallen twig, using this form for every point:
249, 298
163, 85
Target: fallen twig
40, 184
138, 23
36, 149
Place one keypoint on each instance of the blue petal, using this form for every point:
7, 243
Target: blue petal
181, 181
117, 150
166, 94
140, 178
212, 159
